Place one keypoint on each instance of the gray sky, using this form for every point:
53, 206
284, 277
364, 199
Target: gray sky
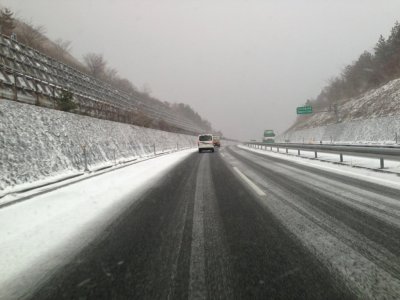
243, 65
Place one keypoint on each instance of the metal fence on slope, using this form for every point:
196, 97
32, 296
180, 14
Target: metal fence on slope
29, 76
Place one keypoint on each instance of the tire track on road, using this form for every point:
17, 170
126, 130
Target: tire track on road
268, 261
292, 194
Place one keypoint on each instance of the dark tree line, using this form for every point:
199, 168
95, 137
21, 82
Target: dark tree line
188, 112
97, 66
369, 71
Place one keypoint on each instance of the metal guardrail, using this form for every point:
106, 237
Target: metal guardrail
379, 152
26, 74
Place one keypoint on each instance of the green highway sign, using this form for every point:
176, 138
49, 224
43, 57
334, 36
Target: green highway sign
303, 110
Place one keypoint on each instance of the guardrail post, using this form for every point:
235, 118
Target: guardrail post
341, 157
298, 151
382, 163
396, 137
277, 149
15, 88
154, 148
85, 158
315, 154
270, 148
287, 151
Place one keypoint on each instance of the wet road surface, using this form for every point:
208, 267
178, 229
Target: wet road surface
205, 232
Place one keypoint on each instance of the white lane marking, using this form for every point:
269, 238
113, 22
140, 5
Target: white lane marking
250, 183
197, 280
223, 155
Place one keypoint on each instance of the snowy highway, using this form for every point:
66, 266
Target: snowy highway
231, 224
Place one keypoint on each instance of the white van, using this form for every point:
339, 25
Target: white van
205, 142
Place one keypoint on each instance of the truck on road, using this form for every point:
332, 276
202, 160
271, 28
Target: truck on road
269, 136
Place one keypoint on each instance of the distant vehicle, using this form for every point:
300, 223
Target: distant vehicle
205, 142
216, 141
269, 136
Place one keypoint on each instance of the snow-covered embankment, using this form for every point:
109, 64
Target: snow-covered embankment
37, 144
379, 130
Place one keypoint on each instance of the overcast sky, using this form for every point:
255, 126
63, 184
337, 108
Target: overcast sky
243, 65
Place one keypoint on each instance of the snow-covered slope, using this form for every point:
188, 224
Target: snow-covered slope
373, 117
377, 103
369, 131
38, 143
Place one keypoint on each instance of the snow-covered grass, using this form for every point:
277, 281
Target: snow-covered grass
38, 145
39, 235
358, 167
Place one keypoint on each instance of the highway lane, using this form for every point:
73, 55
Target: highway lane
352, 226
204, 231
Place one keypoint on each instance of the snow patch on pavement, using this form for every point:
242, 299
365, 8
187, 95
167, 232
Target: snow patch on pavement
353, 257
40, 235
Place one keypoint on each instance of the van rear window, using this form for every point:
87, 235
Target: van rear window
203, 138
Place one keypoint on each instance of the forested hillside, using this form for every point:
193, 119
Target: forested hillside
359, 80
369, 71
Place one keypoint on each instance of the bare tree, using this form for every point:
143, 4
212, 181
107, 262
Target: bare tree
95, 64
61, 48
111, 75
32, 35
124, 85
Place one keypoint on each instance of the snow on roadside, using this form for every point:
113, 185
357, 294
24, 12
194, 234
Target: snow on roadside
39, 144
373, 116
366, 172
41, 234
379, 130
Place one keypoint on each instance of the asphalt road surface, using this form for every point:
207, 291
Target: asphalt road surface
239, 225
